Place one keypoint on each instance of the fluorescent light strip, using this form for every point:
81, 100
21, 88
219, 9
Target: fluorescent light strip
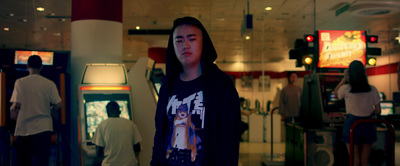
105, 88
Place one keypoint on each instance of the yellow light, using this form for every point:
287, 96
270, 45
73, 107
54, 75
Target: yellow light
105, 88
40, 9
6, 29
307, 60
137, 27
268, 8
247, 37
372, 61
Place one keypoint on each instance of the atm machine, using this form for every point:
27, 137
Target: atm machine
316, 141
145, 81
100, 84
322, 115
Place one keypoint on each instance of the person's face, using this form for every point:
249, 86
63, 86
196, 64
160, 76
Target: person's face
293, 78
188, 45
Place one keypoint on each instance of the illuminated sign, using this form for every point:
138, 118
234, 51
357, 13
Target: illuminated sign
338, 48
21, 57
105, 88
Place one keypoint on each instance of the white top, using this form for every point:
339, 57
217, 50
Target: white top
117, 136
359, 104
35, 93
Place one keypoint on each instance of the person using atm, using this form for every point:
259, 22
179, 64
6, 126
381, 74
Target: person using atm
117, 139
362, 101
34, 100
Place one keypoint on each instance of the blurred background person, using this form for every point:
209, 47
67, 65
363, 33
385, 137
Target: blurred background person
289, 103
117, 139
34, 100
246, 112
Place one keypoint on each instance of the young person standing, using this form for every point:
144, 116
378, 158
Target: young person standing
198, 100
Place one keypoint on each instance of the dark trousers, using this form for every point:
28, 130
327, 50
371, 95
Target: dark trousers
34, 149
243, 128
292, 119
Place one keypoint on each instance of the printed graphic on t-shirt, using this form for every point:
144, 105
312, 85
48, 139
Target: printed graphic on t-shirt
186, 119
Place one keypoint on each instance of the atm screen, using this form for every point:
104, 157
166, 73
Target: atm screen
95, 109
21, 57
387, 108
331, 102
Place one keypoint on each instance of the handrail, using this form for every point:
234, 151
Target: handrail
272, 132
391, 129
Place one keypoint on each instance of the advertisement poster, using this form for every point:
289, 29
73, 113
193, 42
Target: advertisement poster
247, 82
264, 83
338, 48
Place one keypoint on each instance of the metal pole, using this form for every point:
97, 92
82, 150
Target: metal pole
272, 133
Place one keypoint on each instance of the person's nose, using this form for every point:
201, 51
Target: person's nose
186, 44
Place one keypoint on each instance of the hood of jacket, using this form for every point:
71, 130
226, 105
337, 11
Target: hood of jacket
208, 55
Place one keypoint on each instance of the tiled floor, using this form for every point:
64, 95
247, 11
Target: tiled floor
252, 154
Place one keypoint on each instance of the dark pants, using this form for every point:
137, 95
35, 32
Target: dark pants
34, 149
292, 119
243, 128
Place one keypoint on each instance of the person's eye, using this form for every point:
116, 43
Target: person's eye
192, 39
178, 40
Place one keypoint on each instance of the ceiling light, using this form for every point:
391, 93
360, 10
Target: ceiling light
57, 34
63, 19
11, 14
247, 37
137, 27
24, 20
268, 8
6, 29
40, 9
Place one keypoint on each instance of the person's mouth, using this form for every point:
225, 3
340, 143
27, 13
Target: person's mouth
186, 53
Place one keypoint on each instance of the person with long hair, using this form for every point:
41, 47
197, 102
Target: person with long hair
198, 112
362, 101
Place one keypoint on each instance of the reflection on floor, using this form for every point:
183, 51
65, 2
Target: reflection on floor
252, 154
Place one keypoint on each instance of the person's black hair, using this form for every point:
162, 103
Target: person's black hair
357, 77
35, 62
113, 108
242, 99
288, 75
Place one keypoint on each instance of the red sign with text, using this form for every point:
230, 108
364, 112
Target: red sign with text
338, 48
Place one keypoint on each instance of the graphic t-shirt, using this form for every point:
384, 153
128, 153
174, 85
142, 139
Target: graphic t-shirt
185, 111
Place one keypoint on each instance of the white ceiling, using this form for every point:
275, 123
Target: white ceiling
273, 33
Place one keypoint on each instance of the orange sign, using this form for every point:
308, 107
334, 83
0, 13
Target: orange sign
21, 57
338, 48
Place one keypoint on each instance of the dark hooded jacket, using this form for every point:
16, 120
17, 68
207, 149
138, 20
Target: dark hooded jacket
221, 100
